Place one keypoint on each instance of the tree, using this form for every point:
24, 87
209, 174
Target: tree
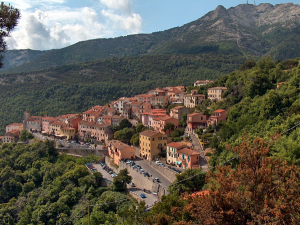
140, 127
135, 139
8, 20
183, 120
262, 190
189, 185
125, 123
25, 135
169, 127
120, 181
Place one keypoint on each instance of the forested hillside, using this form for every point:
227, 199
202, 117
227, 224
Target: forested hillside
38, 186
75, 88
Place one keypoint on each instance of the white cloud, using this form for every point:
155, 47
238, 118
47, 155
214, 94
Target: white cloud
122, 5
56, 27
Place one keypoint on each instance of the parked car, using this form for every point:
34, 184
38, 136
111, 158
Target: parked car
156, 180
143, 195
148, 191
132, 184
147, 174
157, 162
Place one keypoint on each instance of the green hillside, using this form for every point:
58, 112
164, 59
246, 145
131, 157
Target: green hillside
75, 88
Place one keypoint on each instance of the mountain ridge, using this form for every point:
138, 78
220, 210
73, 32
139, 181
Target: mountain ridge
245, 29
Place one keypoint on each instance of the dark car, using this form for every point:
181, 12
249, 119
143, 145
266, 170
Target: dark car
143, 195
147, 174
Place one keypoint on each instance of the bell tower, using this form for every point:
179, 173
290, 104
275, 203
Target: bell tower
26, 117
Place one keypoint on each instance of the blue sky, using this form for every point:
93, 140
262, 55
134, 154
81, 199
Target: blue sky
49, 24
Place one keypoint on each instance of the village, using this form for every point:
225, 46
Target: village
96, 125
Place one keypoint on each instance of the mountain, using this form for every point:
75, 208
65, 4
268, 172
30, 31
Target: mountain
248, 30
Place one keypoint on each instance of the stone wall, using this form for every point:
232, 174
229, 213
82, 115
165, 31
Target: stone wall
111, 165
82, 152
165, 171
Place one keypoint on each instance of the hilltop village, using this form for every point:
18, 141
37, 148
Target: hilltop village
152, 111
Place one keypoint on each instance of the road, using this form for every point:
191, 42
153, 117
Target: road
150, 198
145, 165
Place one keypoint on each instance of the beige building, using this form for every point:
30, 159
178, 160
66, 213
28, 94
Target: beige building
118, 151
14, 126
178, 111
202, 82
172, 151
215, 93
152, 143
193, 99
159, 100
68, 132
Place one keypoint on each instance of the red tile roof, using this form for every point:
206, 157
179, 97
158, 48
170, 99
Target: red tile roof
188, 151
15, 124
175, 144
149, 133
219, 110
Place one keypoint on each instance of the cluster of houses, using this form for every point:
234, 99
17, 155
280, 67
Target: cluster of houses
149, 109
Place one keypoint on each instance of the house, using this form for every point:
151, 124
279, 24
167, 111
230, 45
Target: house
178, 111
34, 123
14, 126
160, 123
112, 120
215, 93
46, 124
55, 128
91, 115
151, 144
217, 116
196, 120
188, 158
102, 132
11, 136
159, 100
172, 149
68, 132
127, 110
193, 99
84, 129
73, 122
202, 82
120, 103
118, 151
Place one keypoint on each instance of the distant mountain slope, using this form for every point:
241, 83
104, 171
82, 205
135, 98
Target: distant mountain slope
75, 88
14, 58
249, 30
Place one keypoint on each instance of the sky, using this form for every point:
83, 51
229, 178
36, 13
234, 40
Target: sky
54, 24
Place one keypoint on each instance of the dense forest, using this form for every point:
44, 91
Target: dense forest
75, 88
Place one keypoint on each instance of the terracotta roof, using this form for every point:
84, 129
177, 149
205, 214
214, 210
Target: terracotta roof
49, 118
149, 133
120, 145
68, 128
193, 114
176, 145
219, 110
223, 88
56, 123
188, 151
87, 123
178, 107
15, 124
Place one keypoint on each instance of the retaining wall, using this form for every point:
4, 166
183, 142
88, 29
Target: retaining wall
166, 172
82, 152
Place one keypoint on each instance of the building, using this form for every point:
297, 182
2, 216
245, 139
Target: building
11, 136
196, 120
68, 132
91, 115
118, 151
202, 82
34, 123
120, 103
194, 99
215, 93
188, 158
178, 111
14, 126
84, 129
102, 132
152, 143
217, 116
73, 122
160, 123
46, 124
159, 100
172, 149
55, 128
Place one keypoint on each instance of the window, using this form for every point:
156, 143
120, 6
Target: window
159, 138
165, 138
159, 145
165, 144
152, 139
